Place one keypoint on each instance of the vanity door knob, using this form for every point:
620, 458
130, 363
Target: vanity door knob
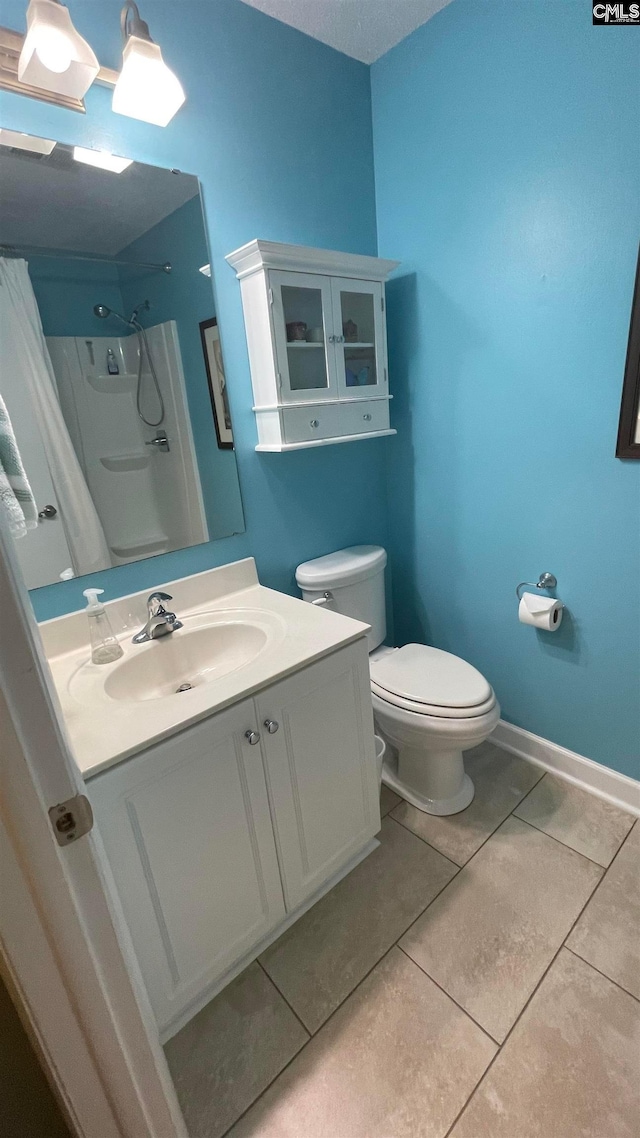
252, 737
314, 423
367, 417
271, 726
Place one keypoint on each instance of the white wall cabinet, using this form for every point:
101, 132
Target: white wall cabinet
316, 334
215, 839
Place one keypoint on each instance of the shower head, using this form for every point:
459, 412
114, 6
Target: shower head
102, 311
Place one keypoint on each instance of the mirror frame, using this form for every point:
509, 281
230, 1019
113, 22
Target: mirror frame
627, 446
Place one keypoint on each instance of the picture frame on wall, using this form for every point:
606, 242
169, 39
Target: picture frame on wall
628, 443
212, 350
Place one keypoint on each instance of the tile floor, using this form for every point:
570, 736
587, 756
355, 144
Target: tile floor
475, 977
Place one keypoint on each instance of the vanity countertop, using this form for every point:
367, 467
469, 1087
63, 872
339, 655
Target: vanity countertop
103, 730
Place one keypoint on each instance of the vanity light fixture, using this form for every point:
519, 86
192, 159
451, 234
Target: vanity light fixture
54, 55
54, 64
146, 88
29, 142
102, 159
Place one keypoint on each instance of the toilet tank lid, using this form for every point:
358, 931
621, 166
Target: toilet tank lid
344, 567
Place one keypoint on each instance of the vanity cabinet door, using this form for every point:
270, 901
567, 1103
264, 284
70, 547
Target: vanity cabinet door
188, 833
321, 768
302, 316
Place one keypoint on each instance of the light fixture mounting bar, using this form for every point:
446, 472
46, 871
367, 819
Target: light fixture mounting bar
10, 47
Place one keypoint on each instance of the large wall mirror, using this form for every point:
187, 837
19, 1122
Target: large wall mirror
116, 441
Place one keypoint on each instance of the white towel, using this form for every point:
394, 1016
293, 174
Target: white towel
16, 495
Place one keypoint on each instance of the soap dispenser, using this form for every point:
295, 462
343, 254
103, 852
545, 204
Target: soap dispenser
104, 646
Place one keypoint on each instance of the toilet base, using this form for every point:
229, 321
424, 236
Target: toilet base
453, 804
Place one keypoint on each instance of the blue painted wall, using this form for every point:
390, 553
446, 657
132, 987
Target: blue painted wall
186, 296
507, 182
66, 292
278, 128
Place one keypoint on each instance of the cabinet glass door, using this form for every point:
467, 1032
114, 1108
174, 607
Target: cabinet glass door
359, 326
302, 318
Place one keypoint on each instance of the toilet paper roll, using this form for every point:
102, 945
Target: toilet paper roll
541, 612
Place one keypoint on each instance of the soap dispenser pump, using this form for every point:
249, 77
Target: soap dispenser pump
104, 646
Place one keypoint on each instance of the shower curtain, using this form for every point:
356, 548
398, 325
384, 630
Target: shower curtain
24, 347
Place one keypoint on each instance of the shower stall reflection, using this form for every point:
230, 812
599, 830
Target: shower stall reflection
124, 401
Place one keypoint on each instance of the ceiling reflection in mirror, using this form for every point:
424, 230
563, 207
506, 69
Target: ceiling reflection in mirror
116, 441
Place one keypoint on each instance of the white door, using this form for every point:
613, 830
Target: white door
321, 767
63, 939
358, 318
304, 335
188, 834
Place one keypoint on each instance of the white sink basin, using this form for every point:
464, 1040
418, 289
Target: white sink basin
208, 647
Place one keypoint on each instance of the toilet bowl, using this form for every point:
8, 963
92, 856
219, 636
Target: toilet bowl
428, 705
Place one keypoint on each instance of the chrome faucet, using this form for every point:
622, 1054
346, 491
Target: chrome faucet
160, 621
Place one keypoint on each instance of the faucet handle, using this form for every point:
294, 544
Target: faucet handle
154, 603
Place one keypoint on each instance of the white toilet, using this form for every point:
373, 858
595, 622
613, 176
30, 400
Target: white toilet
431, 706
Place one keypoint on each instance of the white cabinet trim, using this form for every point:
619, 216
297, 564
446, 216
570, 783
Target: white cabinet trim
258, 254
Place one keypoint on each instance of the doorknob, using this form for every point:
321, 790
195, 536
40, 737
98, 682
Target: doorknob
48, 512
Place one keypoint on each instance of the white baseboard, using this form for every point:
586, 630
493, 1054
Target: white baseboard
608, 784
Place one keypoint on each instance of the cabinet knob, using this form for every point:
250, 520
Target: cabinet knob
367, 417
252, 737
314, 423
332, 339
271, 726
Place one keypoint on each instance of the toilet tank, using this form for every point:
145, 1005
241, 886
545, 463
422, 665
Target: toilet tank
355, 579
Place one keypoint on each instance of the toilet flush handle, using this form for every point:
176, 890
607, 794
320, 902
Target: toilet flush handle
325, 599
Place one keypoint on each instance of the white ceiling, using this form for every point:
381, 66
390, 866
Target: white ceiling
57, 203
363, 29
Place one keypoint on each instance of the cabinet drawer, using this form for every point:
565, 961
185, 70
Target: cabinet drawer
358, 418
313, 421
325, 421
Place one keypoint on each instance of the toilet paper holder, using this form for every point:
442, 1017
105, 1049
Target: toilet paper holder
545, 581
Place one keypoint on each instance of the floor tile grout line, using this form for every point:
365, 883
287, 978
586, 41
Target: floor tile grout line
601, 973
396, 944
311, 1037
485, 840
464, 1011
282, 995
520, 1015
559, 842
421, 839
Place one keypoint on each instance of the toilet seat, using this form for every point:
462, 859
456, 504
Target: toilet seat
428, 681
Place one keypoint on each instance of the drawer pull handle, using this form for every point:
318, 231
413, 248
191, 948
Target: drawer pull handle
252, 737
367, 417
314, 423
271, 725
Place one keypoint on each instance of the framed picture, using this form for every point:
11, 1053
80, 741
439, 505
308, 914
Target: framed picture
628, 445
212, 349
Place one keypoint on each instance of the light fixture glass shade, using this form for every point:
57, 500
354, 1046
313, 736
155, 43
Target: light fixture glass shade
102, 159
29, 142
146, 88
54, 55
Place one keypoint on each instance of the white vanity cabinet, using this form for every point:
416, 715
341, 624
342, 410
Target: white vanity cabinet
316, 333
219, 835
